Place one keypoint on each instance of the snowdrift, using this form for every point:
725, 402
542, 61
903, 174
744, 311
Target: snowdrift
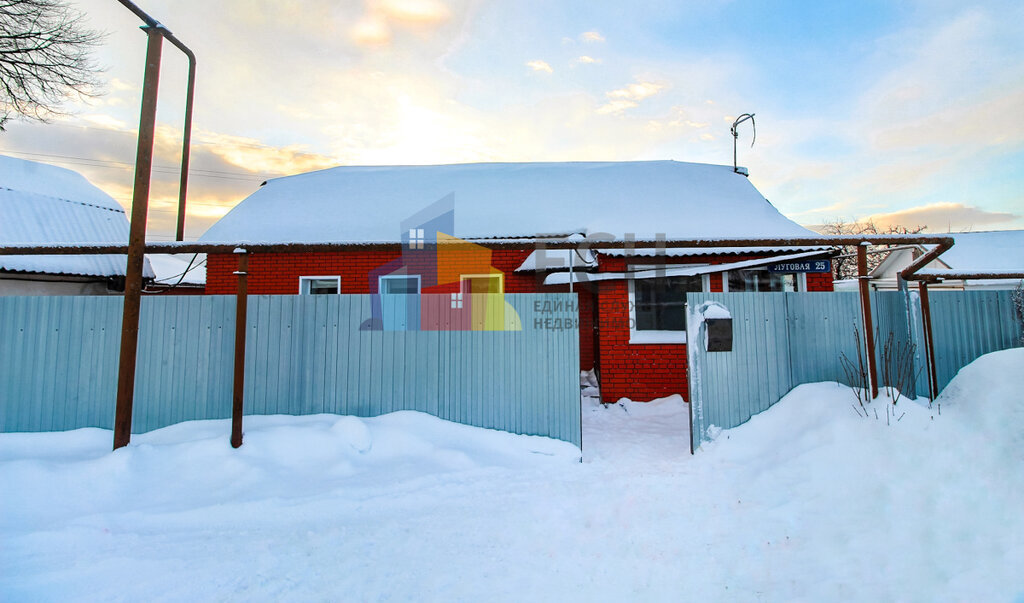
808, 501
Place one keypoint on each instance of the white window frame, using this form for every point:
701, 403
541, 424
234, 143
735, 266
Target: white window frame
304, 282
498, 275
380, 283
801, 279
650, 336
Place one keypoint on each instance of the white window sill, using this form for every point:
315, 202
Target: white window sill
642, 337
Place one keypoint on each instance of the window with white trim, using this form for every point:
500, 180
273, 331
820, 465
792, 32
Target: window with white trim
456, 301
319, 285
399, 285
761, 280
657, 307
483, 283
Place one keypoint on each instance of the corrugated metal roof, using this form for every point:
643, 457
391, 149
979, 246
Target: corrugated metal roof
31, 214
688, 251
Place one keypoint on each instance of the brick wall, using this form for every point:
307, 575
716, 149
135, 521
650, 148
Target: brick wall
278, 274
819, 281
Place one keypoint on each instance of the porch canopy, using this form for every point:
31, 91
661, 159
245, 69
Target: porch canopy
563, 278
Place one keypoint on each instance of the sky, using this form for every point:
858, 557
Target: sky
906, 113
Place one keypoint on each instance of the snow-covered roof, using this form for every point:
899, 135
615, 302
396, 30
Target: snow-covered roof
996, 250
44, 204
364, 204
985, 251
184, 269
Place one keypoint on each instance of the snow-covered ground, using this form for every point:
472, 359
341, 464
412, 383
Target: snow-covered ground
809, 501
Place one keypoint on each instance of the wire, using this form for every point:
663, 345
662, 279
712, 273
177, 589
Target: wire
162, 169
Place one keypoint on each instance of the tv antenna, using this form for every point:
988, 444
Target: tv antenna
736, 135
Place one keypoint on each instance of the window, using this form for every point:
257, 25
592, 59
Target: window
456, 301
658, 307
763, 281
319, 285
400, 285
415, 238
483, 283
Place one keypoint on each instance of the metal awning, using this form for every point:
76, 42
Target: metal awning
562, 278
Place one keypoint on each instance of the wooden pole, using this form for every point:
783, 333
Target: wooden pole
241, 302
865, 305
929, 341
137, 243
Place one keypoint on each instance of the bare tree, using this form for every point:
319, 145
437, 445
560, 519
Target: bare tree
844, 266
45, 58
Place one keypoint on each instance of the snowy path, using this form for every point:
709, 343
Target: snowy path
806, 502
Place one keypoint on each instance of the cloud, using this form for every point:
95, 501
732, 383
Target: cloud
616, 106
628, 97
251, 155
122, 86
414, 12
679, 119
587, 60
381, 17
370, 31
636, 92
105, 121
984, 122
540, 66
591, 36
942, 217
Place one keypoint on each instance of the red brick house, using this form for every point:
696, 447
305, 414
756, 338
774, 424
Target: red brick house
632, 319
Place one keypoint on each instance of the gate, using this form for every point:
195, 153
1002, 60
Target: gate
780, 340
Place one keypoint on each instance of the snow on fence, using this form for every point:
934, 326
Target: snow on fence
304, 355
781, 340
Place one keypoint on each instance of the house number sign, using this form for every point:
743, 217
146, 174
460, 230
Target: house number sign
808, 266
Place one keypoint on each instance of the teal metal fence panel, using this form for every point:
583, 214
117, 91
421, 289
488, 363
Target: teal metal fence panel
967, 324
899, 345
304, 355
781, 340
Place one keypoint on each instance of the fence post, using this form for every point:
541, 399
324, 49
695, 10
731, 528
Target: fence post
929, 342
137, 243
865, 305
241, 323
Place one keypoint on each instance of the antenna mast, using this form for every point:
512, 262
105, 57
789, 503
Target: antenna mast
736, 135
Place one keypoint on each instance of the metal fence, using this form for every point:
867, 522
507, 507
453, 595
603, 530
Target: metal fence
304, 355
781, 340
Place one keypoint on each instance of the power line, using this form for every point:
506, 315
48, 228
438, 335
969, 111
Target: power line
208, 142
161, 169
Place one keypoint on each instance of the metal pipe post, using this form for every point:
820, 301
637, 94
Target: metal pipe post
929, 341
865, 305
241, 303
186, 147
137, 242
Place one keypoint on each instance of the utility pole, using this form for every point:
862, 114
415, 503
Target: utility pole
155, 33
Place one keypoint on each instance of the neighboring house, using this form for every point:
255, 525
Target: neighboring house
987, 251
632, 315
42, 204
